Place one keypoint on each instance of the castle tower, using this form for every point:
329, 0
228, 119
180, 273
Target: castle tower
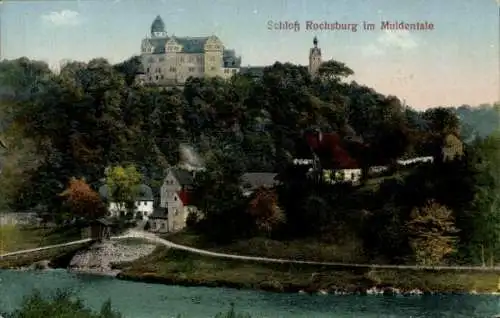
314, 57
213, 53
158, 28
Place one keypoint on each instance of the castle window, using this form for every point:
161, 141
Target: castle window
191, 69
147, 70
234, 71
156, 77
172, 69
212, 68
226, 71
182, 60
161, 59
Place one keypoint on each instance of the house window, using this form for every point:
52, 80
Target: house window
147, 70
191, 69
176, 212
234, 71
172, 69
226, 71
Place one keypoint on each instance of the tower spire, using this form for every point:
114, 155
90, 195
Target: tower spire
314, 57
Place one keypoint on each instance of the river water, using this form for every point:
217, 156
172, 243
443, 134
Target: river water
139, 300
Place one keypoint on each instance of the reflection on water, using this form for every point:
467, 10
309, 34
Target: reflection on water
138, 300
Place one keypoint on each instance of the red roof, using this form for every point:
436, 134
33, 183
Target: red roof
330, 151
184, 197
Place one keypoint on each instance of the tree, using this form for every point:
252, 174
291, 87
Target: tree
334, 70
82, 200
76, 123
452, 148
129, 69
264, 208
59, 305
484, 215
431, 229
123, 186
442, 121
218, 194
316, 214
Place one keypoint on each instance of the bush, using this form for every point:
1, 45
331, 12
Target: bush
63, 305
60, 305
232, 314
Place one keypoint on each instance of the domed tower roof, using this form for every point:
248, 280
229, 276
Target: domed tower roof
158, 26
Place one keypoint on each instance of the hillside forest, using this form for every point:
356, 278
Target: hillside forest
90, 116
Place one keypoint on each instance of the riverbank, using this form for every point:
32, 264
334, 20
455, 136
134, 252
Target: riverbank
86, 258
22, 237
158, 300
56, 257
99, 257
176, 267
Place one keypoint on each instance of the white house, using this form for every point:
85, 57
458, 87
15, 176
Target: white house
410, 161
175, 201
352, 175
303, 162
143, 203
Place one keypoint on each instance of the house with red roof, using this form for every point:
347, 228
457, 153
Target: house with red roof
175, 202
332, 158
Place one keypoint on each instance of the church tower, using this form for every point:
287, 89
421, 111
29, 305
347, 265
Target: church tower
314, 57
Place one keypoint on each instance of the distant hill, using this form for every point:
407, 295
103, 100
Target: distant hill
479, 121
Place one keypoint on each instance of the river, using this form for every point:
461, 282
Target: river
138, 300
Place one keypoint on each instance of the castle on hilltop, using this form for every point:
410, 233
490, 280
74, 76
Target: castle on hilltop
169, 60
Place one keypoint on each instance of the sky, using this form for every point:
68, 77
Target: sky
456, 63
